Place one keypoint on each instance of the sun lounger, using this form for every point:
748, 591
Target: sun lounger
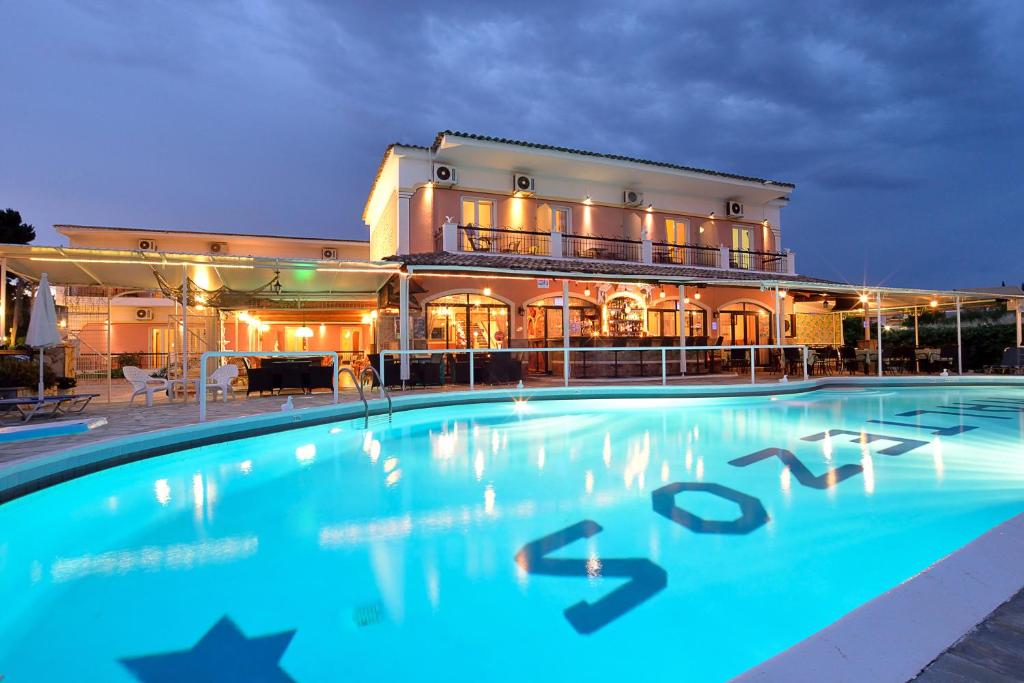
48, 406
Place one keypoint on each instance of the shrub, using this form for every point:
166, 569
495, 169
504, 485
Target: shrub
24, 373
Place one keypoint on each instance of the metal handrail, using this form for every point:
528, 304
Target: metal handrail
383, 391
359, 388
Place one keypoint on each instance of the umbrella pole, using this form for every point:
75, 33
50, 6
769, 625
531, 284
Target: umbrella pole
41, 388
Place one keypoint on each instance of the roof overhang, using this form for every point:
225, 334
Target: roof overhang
621, 172
138, 269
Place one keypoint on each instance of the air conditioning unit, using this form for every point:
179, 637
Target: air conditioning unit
143, 313
147, 245
445, 175
632, 198
734, 208
329, 254
523, 185
218, 247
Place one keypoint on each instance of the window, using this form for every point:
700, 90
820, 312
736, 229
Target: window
561, 220
742, 240
676, 231
478, 212
460, 321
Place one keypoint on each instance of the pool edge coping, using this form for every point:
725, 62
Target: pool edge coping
896, 635
28, 475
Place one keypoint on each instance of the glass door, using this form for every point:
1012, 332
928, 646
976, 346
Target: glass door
742, 240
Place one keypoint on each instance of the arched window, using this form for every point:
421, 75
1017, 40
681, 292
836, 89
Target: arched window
460, 321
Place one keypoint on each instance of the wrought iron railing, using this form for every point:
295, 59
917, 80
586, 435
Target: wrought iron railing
765, 261
606, 248
504, 241
687, 254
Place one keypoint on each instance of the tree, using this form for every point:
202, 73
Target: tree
15, 231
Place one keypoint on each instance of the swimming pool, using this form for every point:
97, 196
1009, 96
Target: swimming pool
592, 539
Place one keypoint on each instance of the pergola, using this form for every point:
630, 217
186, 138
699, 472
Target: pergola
220, 282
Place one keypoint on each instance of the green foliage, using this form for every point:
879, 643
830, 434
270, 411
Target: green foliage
123, 359
15, 372
982, 344
13, 230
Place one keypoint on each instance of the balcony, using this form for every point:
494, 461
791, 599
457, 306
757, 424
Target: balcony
536, 243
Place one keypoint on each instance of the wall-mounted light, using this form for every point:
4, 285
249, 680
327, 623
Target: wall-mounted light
701, 229
587, 200
304, 331
863, 298
711, 215
650, 207
487, 291
782, 294
697, 296
686, 300
934, 303
586, 291
662, 295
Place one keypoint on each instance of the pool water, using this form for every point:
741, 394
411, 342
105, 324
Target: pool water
596, 540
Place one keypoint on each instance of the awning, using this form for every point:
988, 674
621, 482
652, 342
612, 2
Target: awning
124, 269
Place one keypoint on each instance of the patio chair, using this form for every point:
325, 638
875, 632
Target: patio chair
143, 383
31, 406
220, 380
476, 242
1012, 363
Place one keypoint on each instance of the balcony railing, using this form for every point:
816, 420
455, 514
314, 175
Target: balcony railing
606, 248
530, 242
764, 261
504, 241
687, 255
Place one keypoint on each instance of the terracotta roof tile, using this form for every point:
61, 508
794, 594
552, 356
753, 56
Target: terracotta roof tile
535, 265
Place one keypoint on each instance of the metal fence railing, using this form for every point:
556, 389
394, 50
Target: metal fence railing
605, 248
661, 358
504, 241
764, 261
687, 254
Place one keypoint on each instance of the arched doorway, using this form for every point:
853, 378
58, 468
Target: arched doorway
744, 322
467, 320
544, 325
625, 314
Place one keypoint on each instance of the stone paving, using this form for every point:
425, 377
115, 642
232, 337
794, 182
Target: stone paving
993, 651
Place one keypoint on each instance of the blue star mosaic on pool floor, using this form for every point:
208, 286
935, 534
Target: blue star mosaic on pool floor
223, 654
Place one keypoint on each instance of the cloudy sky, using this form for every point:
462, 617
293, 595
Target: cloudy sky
900, 123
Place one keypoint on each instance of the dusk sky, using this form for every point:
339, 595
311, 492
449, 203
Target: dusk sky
902, 124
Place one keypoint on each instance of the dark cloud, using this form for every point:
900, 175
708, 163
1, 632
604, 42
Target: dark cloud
899, 121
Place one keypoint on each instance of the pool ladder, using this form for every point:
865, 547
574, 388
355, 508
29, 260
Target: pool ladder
358, 382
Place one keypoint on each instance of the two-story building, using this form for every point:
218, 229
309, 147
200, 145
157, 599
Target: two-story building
512, 243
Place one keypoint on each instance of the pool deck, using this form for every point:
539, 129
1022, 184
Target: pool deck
994, 651
969, 606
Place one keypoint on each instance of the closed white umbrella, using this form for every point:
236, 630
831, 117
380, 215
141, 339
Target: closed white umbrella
42, 326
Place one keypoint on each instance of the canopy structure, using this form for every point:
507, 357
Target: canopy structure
310, 279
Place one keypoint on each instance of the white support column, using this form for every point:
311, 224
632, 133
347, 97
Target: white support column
647, 251
790, 262
184, 327
878, 301
403, 221
565, 329
778, 317
3, 301
1019, 332
403, 323
723, 256
917, 343
110, 356
959, 342
556, 245
682, 329
450, 237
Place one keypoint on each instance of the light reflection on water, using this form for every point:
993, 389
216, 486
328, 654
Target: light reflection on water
425, 516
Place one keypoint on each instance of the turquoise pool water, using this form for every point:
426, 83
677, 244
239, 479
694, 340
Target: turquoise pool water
597, 540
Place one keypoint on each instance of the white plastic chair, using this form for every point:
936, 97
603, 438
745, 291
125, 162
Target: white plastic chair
220, 380
143, 383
